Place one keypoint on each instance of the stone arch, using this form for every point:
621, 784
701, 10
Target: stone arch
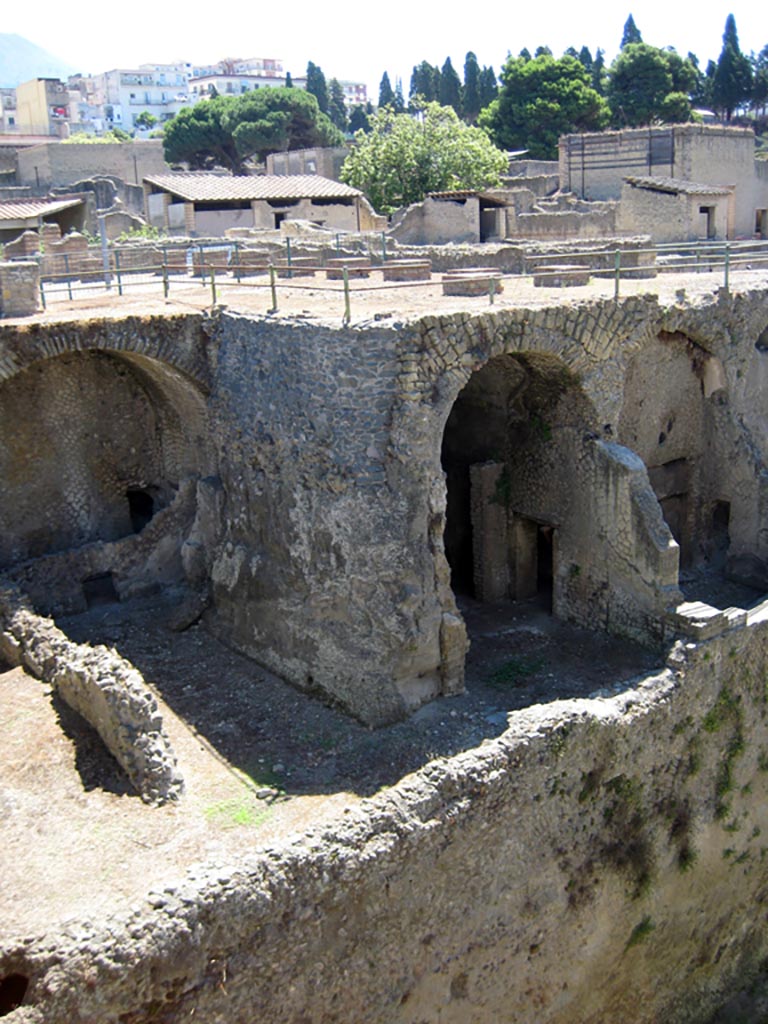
82, 434
179, 342
510, 440
549, 500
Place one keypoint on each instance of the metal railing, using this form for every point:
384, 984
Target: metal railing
218, 266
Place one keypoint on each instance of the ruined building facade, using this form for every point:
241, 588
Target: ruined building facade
327, 492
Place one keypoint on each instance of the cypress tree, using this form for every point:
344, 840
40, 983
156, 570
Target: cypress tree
631, 33
386, 93
316, 84
489, 87
450, 87
732, 83
337, 106
471, 88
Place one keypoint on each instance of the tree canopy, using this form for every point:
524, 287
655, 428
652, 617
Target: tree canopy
732, 84
647, 84
403, 158
227, 130
542, 98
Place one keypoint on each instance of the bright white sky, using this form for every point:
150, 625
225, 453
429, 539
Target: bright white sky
359, 42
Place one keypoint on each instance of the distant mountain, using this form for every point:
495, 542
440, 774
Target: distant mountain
21, 60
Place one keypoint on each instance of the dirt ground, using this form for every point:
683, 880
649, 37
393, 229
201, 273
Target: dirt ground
261, 761
370, 299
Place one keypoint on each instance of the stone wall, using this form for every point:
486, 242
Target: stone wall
104, 688
438, 221
53, 164
594, 165
669, 217
334, 573
602, 860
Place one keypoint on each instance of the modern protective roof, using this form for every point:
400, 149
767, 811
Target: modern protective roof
676, 186
220, 188
27, 209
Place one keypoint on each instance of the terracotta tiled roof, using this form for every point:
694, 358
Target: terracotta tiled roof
220, 188
679, 185
25, 209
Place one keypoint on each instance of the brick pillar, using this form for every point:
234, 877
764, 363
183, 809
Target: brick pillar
19, 288
189, 218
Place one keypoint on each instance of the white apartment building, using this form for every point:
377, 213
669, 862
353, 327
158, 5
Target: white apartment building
125, 93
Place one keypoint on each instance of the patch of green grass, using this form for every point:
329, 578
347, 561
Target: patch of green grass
726, 709
238, 812
686, 858
640, 932
515, 670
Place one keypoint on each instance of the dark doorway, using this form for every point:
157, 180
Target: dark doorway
141, 506
545, 552
458, 530
708, 229
99, 589
500, 455
13, 988
721, 536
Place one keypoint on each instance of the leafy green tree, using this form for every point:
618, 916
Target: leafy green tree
317, 86
227, 131
540, 100
386, 92
337, 105
640, 80
631, 33
198, 136
288, 80
732, 84
543, 51
145, 120
404, 158
489, 87
450, 87
471, 92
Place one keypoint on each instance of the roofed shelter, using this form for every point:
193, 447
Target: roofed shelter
20, 215
672, 210
208, 204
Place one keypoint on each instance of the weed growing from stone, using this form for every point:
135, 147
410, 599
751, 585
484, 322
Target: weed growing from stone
514, 671
640, 932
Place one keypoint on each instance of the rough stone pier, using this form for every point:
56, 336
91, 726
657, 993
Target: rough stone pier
321, 496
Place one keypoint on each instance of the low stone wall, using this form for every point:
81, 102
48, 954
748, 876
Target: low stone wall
101, 686
602, 860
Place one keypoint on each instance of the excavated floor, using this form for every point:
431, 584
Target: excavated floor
260, 760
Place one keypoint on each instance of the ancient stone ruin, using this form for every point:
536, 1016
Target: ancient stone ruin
324, 497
